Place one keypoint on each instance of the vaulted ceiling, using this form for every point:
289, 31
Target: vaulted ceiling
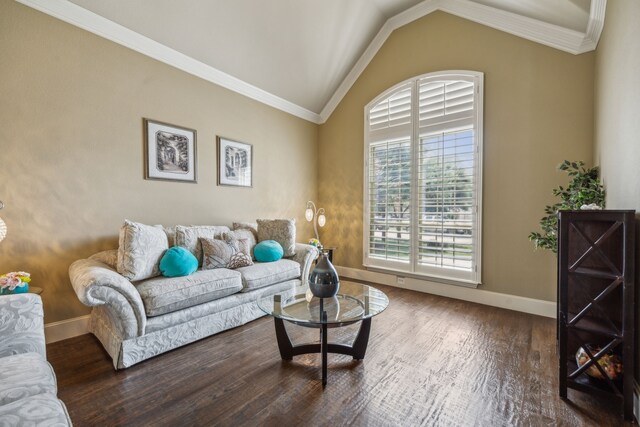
303, 55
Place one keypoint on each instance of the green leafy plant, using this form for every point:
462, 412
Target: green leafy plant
585, 188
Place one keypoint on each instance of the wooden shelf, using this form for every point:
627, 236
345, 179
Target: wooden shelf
597, 273
596, 326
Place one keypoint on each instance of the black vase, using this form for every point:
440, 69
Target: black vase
324, 281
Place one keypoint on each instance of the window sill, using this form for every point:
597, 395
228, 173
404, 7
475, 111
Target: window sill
430, 278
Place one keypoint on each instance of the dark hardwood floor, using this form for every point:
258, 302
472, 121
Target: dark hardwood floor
431, 361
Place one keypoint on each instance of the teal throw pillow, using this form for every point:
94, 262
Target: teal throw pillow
268, 251
178, 261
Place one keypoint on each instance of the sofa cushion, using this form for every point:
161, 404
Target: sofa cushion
25, 375
163, 295
261, 274
189, 237
140, 250
21, 325
42, 410
282, 231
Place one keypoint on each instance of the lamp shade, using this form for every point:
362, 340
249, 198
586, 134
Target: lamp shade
322, 220
3, 230
308, 214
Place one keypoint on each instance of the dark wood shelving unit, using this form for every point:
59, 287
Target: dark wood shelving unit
596, 262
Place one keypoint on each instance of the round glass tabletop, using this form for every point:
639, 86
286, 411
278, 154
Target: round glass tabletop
354, 302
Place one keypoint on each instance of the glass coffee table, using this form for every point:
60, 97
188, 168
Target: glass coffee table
354, 303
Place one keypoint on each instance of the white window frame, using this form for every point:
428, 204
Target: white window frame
446, 275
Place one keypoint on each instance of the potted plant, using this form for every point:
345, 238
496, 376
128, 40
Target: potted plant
584, 191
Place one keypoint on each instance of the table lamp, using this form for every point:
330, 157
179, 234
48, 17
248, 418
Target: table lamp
315, 215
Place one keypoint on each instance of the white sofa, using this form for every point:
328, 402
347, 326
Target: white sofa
27, 382
138, 320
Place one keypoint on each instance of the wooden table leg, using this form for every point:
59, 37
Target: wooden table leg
284, 343
357, 350
360, 343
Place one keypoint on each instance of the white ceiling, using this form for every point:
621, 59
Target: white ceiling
298, 50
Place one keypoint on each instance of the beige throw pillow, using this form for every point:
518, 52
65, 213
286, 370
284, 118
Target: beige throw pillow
251, 226
140, 250
282, 231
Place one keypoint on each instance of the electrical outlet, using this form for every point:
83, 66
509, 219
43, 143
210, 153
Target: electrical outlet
400, 280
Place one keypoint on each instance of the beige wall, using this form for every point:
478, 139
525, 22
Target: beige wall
617, 105
538, 112
617, 114
71, 149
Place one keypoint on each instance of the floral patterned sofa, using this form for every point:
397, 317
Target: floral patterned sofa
27, 382
138, 319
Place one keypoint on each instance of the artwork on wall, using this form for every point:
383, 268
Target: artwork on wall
170, 152
235, 160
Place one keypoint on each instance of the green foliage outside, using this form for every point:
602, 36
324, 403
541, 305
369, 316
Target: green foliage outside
585, 188
445, 192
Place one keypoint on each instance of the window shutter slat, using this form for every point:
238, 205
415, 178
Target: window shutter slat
441, 98
392, 111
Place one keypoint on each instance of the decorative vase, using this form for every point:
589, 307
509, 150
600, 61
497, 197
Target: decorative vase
324, 281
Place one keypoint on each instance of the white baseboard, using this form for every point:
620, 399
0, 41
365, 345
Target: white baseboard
494, 299
64, 329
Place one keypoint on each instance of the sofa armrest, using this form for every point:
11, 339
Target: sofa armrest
98, 284
305, 254
21, 325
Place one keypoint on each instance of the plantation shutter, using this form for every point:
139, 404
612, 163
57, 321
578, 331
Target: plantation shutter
423, 178
446, 188
392, 112
389, 178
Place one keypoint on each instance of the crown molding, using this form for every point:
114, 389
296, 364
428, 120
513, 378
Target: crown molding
595, 25
87, 20
554, 36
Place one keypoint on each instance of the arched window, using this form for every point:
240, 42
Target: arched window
423, 183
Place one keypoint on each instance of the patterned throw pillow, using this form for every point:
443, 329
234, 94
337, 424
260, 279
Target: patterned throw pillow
251, 226
245, 238
282, 231
171, 235
140, 249
239, 260
244, 246
217, 253
189, 237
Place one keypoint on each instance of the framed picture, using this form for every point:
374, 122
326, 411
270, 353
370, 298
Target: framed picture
235, 163
170, 152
